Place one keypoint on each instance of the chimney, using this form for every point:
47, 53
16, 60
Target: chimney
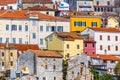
56, 4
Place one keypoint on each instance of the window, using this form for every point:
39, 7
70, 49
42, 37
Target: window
108, 48
41, 41
44, 78
100, 37
94, 24
53, 28
11, 54
116, 48
14, 40
33, 22
76, 23
41, 28
54, 78
60, 28
3, 54
104, 61
83, 23
7, 27
47, 28
101, 47
3, 64
67, 46
108, 38
14, 27
47, 13
20, 40
50, 38
85, 44
7, 39
112, 61
68, 55
20, 27
78, 46
97, 2
0, 39
93, 45
34, 35
26, 27
54, 67
116, 38
11, 63
108, 2
46, 67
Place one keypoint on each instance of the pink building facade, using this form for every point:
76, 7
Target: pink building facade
89, 46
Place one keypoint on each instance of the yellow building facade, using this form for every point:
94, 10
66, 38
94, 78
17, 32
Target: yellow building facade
8, 57
79, 23
69, 44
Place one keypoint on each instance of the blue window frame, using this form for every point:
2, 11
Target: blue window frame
20, 40
20, 27
41, 41
26, 27
14, 27
0, 39
47, 28
94, 23
7, 27
14, 40
83, 23
60, 28
41, 28
7, 39
34, 35
33, 22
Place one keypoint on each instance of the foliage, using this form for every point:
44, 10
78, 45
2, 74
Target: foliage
106, 76
95, 74
65, 66
2, 79
117, 69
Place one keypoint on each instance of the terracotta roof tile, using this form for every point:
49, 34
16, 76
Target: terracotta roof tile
47, 53
24, 47
104, 57
37, 1
39, 8
22, 14
106, 29
3, 45
4, 2
68, 35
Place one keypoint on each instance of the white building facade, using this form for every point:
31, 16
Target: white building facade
107, 39
30, 29
85, 5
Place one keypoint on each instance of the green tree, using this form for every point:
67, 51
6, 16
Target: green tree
106, 76
95, 74
65, 66
117, 69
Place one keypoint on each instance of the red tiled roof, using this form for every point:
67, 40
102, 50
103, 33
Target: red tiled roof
68, 35
3, 45
22, 14
4, 2
37, 1
46, 53
24, 47
40, 8
104, 57
106, 29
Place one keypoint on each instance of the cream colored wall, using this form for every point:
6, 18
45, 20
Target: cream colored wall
73, 47
52, 13
7, 58
112, 22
